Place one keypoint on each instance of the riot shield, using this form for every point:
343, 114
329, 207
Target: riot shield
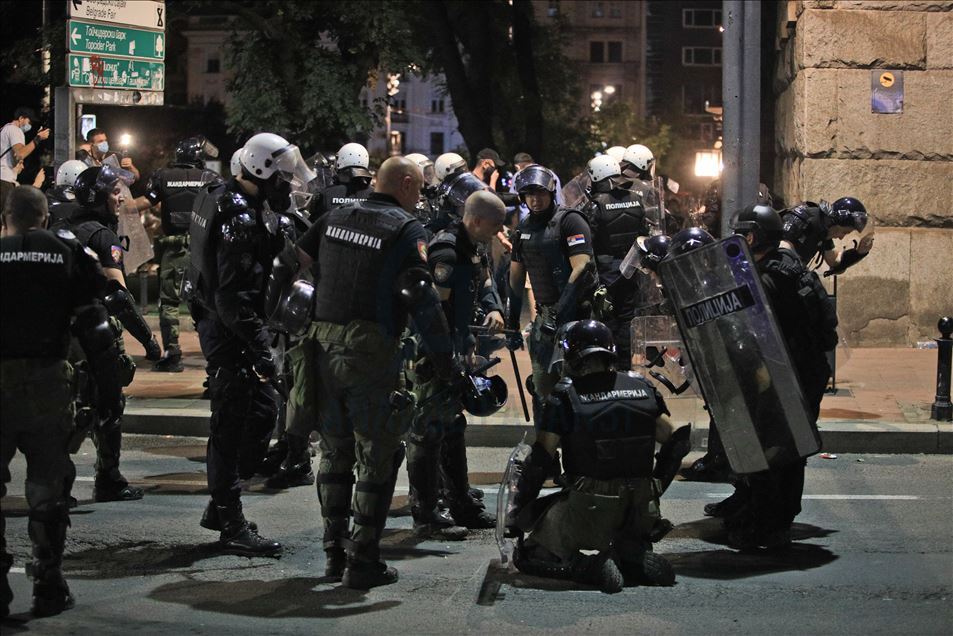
574, 192
459, 187
657, 348
739, 356
504, 501
130, 224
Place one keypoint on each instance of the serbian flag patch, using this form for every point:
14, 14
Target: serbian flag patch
422, 249
576, 239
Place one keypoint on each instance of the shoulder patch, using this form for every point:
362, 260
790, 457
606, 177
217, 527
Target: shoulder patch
442, 272
116, 252
63, 233
422, 249
575, 239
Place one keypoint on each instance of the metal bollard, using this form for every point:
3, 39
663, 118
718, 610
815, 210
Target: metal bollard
942, 409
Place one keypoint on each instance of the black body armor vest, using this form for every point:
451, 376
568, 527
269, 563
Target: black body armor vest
466, 281
617, 218
613, 429
355, 257
177, 188
544, 257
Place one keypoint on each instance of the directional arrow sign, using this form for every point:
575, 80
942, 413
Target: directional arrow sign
113, 72
107, 39
140, 13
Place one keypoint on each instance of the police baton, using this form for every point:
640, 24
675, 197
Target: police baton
402, 399
519, 384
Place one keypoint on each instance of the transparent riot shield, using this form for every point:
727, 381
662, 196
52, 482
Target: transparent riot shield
504, 501
739, 356
660, 356
459, 187
130, 225
574, 192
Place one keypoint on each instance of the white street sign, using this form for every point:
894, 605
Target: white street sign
141, 13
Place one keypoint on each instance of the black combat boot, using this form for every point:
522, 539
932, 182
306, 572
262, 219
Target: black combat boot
110, 485
238, 537
275, 456
171, 361
295, 470
599, 570
429, 518
335, 536
210, 520
365, 569
650, 569
51, 594
465, 509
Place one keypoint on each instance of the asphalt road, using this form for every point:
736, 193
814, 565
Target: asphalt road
873, 556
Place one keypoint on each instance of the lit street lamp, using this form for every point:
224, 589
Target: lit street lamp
393, 87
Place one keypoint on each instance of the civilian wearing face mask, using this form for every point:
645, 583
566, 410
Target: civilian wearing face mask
14, 149
99, 151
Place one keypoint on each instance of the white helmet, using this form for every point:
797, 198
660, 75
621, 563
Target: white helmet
603, 167
447, 164
426, 166
616, 152
640, 157
352, 155
68, 171
267, 153
235, 165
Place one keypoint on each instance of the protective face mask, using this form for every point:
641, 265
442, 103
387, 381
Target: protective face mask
103, 146
26, 128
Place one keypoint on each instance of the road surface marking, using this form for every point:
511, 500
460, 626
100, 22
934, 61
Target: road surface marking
719, 495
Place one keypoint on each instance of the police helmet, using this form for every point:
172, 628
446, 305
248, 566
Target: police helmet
689, 239
426, 166
616, 152
640, 157
194, 150
535, 177
447, 164
603, 167
268, 154
652, 249
484, 395
353, 160
68, 171
848, 212
763, 222
94, 185
235, 165
587, 338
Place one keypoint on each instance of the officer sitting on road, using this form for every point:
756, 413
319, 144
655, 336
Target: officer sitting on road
607, 424
45, 280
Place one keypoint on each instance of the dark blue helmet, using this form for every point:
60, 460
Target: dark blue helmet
535, 177
194, 150
689, 239
848, 212
652, 249
587, 338
93, 185
763, 222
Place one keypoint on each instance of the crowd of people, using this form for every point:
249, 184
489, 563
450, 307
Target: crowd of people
363, 308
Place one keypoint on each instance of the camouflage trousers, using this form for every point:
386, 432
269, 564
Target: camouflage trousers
172, 253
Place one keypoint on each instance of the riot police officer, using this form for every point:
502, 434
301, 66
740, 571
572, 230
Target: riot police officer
762, 509
809, 229
46, 279
370, 265
60, 197
464, 283
553, 245
352, 178
234, 237
174, 189
607, 424
99, 194
617, 217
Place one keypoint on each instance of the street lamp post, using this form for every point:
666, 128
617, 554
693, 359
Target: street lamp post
393, 87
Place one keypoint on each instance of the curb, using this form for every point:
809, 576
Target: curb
838, 436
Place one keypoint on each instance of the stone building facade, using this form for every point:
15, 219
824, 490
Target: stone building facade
830, 144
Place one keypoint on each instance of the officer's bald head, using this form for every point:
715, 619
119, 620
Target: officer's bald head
483, 215
402, 179
26, 208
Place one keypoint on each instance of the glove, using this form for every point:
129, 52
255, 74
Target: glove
514, 341
264, 367
153, 351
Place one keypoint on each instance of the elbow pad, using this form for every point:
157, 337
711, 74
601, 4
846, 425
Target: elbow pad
847, 258
668, 461
119, 303
283, 270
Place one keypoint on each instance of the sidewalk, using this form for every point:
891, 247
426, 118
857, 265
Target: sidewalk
882, 403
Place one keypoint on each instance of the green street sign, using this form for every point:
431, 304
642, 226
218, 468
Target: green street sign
114, 39
111, 72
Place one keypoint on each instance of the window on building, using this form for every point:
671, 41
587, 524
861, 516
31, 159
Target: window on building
597, 53
398, 103
436, 105
701, 56
436, 144
695, 95
213, 64
598, 10
615, 52
553, 9
701, 18
615, 9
